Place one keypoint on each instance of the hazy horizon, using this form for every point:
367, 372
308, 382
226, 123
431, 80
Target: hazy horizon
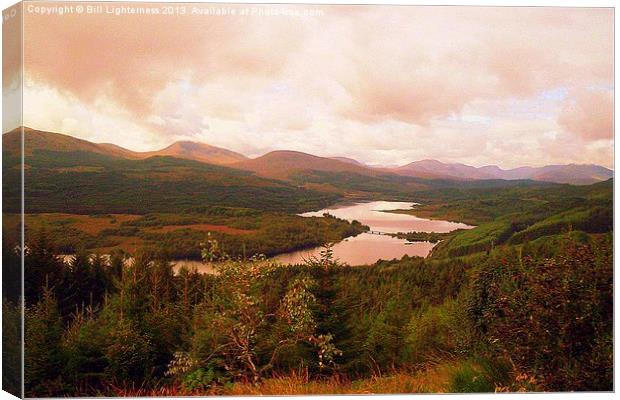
383, 85
369, 164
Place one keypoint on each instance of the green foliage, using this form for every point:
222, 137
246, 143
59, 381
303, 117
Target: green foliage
438, 330
592, 220
41, 267
471, 378
201, 379
552, 317
12, 267
12, 313
531, 312
273, 233
432, 237
83, 347
42, 357
240, 232
374, 305
11, 347
298, 304
87, 183
519, 215
239, 318
391, 186
129, 354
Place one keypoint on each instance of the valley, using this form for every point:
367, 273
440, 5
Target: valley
299, 199
444, 263
103, 198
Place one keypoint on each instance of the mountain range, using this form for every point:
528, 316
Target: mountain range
578, 174
284, 165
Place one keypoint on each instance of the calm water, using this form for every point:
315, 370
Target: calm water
368, 248
365, 248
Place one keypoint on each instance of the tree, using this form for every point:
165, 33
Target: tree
551, 317
232, 324
41, 267
42, 357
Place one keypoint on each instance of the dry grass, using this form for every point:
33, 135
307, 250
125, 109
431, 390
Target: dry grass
432, 380
129, 244
94, 224
86, 223
80, 168
202, 228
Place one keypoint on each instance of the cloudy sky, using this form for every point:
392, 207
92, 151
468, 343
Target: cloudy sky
384, 85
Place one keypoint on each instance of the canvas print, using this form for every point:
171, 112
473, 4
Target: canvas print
248, 199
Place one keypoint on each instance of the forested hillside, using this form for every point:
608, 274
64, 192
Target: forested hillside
517, 215
521, 301
91, 183
527, 313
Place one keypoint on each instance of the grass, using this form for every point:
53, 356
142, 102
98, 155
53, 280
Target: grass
92, 225
437, 212
203, 228
470, 377
453, 376
239, 231
450, 377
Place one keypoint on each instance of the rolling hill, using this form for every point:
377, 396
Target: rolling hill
35, 139
334, 175
434, 169
293, 166
38, 140
577, 174
284, 164
349, 160
65, 174
199, 152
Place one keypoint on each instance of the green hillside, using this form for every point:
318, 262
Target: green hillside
89, 183
517, 215
521, 302
395, 187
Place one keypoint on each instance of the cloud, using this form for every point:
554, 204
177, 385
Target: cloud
589, 114
49, 109
383, 84
431, 63
132, 57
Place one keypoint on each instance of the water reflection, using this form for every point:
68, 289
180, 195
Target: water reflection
369, 248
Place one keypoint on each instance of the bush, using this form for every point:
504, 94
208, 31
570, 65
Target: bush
551, 317
129, 355
469, 377
438, 330
42, 357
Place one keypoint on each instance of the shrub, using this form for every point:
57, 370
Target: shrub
437, 330
129, 354
42, 357
469, 377
551, 317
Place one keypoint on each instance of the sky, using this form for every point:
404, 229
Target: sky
385, 85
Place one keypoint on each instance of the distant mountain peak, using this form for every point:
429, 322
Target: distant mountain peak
200, 152
580, 174
348, 160
42, 140
281, 164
